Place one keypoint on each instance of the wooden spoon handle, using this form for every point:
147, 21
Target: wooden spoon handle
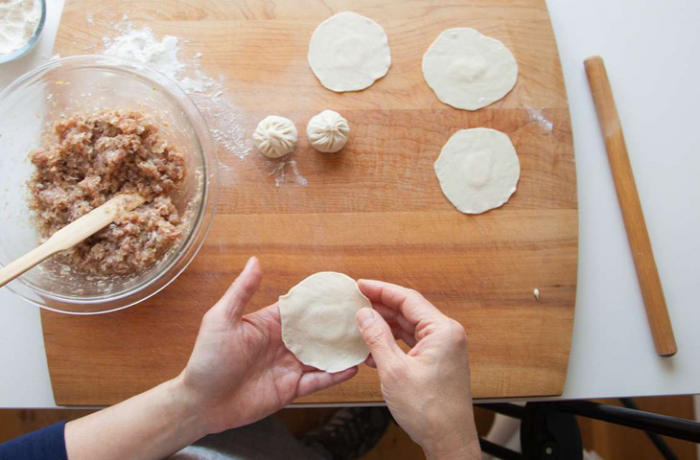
24, 263
71, 234
647, 273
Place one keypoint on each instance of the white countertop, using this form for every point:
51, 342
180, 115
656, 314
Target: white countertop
650, 49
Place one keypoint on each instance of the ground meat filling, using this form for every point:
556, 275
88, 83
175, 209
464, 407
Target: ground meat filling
92, 158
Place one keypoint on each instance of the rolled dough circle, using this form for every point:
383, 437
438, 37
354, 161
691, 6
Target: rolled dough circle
275, 136
469, 70
349, 52
318, 321
328, 131
478, 169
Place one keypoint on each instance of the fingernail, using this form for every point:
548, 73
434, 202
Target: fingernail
365, 317
249, 263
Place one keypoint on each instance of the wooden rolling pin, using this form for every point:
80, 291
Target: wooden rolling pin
647, 274
72, 234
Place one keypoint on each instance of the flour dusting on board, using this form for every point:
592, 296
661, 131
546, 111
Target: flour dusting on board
163, 54
538, 117
279, 172
142, 46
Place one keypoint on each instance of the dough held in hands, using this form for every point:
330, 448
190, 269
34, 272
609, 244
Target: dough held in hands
469, 70
318, 321
478, 169
275, 136
328, 131
349, 52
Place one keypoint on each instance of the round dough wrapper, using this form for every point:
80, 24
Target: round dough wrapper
275, 136
349, 52
328, 131
468, 70
478, 169
318, 321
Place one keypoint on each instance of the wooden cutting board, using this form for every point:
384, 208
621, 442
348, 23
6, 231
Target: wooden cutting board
373, 211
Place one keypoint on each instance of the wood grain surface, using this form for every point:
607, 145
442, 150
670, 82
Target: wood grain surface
373, 211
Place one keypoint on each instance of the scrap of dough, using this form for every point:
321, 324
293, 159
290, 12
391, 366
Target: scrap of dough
468, 70
328, 131
349, 52
318, 321
478, 169
275, 136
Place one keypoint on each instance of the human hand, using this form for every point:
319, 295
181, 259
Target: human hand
240, 371
427, 389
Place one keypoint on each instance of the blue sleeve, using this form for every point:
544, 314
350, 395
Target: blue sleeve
47, 443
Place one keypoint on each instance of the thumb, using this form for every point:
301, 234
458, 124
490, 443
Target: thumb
241, 291
378, 336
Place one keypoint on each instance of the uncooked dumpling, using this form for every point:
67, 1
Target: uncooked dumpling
318, 321
349, 52
328, 131
468, 70
478, 169
275, 136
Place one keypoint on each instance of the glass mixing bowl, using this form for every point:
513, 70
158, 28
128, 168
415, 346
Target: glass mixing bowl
28, 109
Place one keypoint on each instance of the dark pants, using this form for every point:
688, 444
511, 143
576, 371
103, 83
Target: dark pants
267, 439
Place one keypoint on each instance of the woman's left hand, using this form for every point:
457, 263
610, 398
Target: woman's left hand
240, 371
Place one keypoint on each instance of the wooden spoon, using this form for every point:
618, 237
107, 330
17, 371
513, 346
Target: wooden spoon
72, 234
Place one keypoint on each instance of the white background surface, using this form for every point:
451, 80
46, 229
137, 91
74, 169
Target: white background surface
651, 50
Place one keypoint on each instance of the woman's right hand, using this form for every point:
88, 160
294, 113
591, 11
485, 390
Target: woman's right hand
427, 389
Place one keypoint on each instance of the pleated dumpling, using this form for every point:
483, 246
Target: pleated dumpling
328, 131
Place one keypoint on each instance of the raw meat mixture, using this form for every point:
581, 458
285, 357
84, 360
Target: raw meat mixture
93, 157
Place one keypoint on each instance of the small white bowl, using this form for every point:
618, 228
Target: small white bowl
19, 52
